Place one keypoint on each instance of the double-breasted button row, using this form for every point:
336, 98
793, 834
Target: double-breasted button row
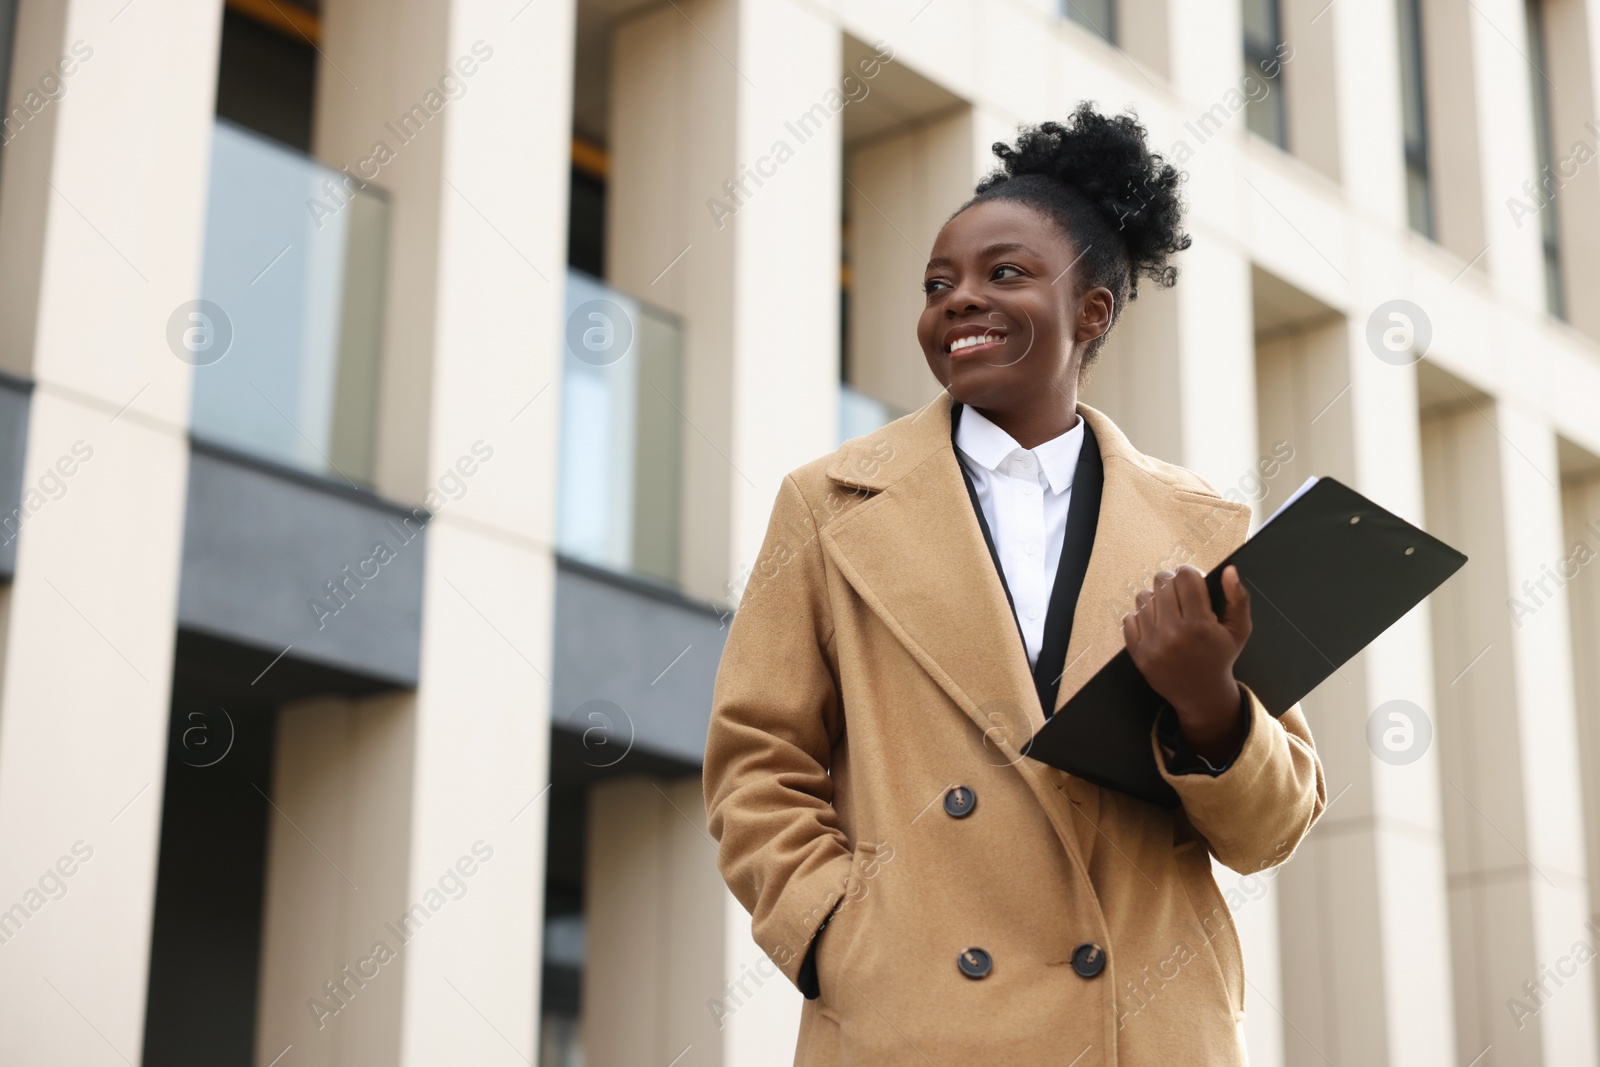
1088, 960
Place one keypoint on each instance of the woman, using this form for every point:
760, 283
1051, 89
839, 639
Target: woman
925, 596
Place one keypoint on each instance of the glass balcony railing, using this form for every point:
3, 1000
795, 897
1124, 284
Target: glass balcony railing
287, 337
621, 432
860, 414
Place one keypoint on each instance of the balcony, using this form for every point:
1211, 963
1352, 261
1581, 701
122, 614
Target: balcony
286, 343
287, 337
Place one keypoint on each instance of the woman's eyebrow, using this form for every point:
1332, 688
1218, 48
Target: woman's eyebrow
988, 250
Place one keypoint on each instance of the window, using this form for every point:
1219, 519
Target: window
1555, 302
1413, 106
267, 75
1265, 114
1097, 16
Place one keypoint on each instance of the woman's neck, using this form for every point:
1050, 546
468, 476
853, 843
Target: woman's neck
1032, 428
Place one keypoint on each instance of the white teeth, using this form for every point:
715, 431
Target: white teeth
967, 342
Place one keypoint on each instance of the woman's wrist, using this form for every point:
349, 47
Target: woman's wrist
1213, 724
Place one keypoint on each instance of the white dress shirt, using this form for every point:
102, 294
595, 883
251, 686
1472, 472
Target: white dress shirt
1024, 495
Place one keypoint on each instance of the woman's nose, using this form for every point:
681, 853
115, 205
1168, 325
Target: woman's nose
968, 296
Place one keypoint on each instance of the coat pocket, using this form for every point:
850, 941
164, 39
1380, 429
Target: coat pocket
835, 944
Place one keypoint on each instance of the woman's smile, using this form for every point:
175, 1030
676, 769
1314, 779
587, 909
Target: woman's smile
974, 341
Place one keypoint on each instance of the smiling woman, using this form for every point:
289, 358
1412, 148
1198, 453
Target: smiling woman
876, 697
1042, 261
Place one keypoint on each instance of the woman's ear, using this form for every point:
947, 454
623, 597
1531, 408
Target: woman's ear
1094, 314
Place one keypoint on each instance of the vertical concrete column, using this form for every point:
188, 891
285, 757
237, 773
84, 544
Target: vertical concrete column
1451, 117
336, 927
1365, 949
726, 128
900, 189
655, 910
1576, 568
725, 179
1513, 803
87, 289
1503, 92
461, 110
1365, 85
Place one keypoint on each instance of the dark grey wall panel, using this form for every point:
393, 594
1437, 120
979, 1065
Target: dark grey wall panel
260, 547
14, 396
634, 666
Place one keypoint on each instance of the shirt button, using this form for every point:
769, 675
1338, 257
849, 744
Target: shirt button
1088, 960
959, 802
1028, 550
1033, 613
975, 963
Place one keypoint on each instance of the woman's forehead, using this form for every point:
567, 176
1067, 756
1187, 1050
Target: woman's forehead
1000, 222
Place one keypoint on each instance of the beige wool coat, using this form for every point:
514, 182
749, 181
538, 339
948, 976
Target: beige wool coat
874, 666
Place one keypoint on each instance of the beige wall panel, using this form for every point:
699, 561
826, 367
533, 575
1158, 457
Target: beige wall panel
673, 146
900, 190
1310, 84
1452, 121
1504, 104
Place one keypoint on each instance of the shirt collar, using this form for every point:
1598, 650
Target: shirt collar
988, 445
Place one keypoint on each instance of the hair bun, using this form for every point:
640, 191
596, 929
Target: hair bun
1104, 160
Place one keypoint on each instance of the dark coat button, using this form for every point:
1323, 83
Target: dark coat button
1088, 960
975, 963
959, 802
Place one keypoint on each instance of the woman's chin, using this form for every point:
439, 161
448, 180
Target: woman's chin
975, 383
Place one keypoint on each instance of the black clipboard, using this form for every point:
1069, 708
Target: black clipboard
1327, 573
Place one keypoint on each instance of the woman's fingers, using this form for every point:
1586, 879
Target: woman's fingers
1165, 601
1194, 600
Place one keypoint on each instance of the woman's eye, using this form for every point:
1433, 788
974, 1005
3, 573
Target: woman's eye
934, 284
1000, 270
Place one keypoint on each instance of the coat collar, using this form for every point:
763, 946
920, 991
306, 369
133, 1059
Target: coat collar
915, 554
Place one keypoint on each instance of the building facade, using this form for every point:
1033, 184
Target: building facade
393, 397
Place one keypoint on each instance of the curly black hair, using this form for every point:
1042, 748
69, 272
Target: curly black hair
1111, 196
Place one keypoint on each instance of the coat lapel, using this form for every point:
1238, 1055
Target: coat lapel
916, 555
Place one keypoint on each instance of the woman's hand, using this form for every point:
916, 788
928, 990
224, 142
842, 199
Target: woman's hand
1187, 654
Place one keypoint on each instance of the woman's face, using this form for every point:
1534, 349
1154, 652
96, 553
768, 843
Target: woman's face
1003, 321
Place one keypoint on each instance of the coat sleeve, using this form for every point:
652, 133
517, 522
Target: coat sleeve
1255, 813
775, 717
